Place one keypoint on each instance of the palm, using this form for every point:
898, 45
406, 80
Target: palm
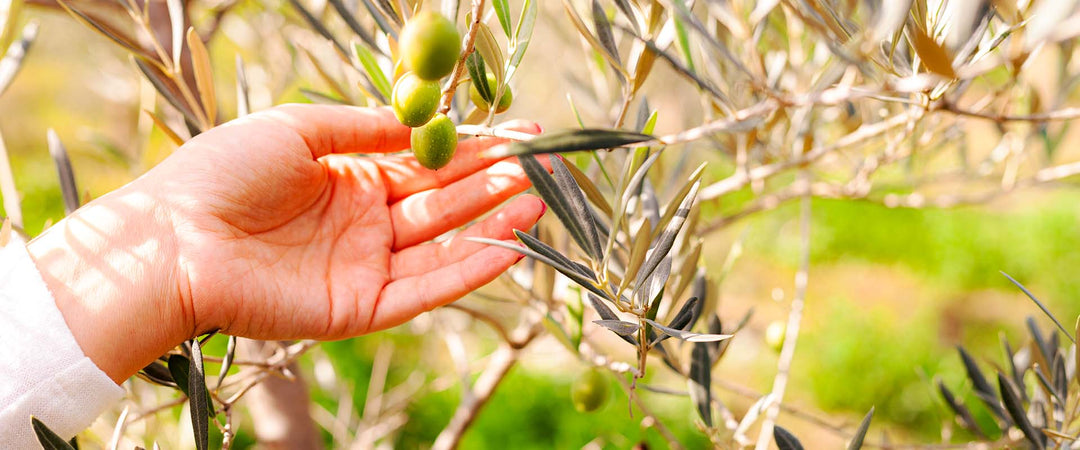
293, 246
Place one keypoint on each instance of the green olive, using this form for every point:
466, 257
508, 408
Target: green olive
415, 101
504, 101
430, 45
434, 143
589, 391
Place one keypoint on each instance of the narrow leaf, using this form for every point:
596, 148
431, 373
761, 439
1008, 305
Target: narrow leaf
607, 314
380, 19
574, 140
580, 209
502, 11
980, 384
785, 440
933, 55
63, 169
700, 381
227, 361
552, 194
488, 47
860, 434
200, 408
243, 102
1041, 306
355, 26
522, 36
591, 191
478, 74
546, 250
371, 66
620, 327
966, 419
1012, 403
666, 239
116, 36
157, 79
157, 373
317, 25
688, 336
204, 75
577, 278
603, 31
176, 19
172, 135
48, 439
12, 60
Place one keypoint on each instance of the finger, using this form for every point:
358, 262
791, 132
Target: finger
341, 129
405, 298
522, 213
405, 176
423, 216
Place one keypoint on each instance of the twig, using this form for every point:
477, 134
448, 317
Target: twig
474, 27
483, 317
501, 362
791, 335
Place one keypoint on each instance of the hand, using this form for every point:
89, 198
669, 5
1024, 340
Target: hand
262, 229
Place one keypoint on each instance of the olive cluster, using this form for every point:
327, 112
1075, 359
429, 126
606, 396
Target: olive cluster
429, 49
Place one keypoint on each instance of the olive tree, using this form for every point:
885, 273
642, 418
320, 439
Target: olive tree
795, 100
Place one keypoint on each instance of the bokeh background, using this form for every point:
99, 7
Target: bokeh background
891, 292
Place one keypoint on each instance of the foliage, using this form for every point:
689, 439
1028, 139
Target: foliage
906, 104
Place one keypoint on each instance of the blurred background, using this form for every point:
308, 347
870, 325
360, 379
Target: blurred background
892, 291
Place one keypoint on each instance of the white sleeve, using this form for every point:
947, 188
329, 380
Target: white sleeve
43, 372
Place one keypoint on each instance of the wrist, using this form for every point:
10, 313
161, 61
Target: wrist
111, 267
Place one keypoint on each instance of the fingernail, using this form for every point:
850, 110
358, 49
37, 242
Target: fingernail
544, 205
519, 258
540, 127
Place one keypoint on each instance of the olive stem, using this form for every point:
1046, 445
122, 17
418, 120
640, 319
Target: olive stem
480, 130
459, 68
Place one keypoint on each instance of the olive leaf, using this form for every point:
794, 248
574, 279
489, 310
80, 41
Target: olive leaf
982, 387
686, 335
700, 381
63, 168
607, 314
199, 398
785, 440
962, 412
666, 240
572, 141
204, 75
355, 26
564, 198
1041, 306
502, 11
860, 434
478, 73
933, 55
1012, 403
317, 25
573, 275
227, 361
180, 368
371, 66
603, 32
380, 19
580, 209
48, 439
619, 327
157, 373
12, 59
522, 36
